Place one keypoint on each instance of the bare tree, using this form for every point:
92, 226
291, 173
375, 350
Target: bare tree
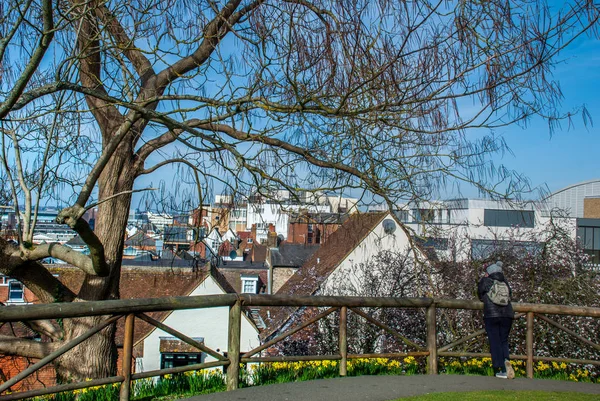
376, 96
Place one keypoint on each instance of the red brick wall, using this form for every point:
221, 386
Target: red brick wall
298, 232
11, 366
27, 294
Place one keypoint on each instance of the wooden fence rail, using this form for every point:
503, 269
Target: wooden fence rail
137, 308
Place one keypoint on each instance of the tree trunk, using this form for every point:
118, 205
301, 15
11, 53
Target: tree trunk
97, 357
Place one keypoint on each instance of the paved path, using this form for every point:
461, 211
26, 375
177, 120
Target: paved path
385, 388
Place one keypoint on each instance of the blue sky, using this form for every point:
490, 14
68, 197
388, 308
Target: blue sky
572, 153
569, 155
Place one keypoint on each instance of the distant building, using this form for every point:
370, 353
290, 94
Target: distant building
459, 229
313, 228
582, 201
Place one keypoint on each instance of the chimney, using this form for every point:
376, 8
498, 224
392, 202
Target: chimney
253, 233
272, 239
271, 228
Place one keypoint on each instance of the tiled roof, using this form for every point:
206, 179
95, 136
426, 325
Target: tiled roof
141, 282
291, 255
244, 235
234, 277
323, 262
76, 241
140, 239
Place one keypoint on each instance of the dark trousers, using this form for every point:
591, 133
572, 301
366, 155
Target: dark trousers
498, 329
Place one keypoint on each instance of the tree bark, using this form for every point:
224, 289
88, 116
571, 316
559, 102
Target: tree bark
100, 352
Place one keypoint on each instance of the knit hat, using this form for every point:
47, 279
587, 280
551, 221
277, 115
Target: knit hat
494, 268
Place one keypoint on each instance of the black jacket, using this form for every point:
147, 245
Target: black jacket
490, 309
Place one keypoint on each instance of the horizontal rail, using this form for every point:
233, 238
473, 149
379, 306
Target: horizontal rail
234, 301
178, 369
293, 300
301, 358
388, 355
59, 389
15, 313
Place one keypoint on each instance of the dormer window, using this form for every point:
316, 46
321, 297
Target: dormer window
249, 284
15, 291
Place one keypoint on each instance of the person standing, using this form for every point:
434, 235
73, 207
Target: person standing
495, 293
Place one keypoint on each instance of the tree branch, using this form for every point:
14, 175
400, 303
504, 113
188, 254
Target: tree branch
214, 32
139, 61
33, 275
26, 348
88, 41
45, 327
34, 61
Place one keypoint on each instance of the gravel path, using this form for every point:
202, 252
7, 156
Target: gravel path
385, 388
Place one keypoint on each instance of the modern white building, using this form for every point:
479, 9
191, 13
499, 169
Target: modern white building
572, 199
582, 201
473, 228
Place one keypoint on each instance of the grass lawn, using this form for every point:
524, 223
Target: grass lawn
504, 396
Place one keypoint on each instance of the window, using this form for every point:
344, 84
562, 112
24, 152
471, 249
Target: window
176, 359
589, 238
249, 284
15, 291
508, 218
402, 215
439, 244
424, 215
484, 249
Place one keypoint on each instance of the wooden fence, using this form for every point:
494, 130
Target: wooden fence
138, 308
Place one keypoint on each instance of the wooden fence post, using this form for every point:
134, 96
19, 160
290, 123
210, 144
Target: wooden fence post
529, 345
343, 340
233, 348
127, 357
432, 363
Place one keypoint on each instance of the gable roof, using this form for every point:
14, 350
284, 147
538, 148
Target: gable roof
141, 282
321, 264
140, 239
76, 241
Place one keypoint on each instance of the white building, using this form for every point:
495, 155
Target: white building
464, 228
262, 211
573, 198
208, 326
264, 214
160, 220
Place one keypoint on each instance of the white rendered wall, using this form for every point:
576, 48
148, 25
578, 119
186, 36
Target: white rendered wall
374, 242
467, 224
209, 323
